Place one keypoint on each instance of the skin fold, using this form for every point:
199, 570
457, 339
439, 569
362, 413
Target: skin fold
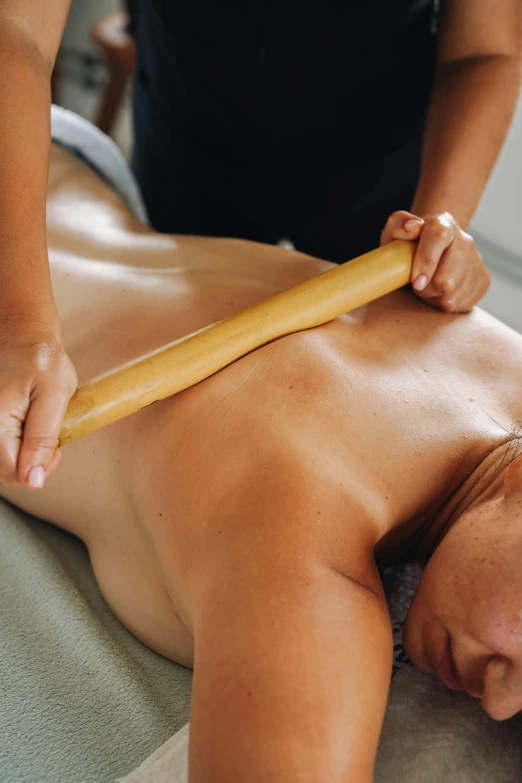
238, 526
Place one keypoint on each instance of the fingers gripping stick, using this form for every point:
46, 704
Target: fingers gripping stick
191, 359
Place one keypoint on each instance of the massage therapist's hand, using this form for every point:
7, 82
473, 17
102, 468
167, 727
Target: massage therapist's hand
448, 271
37, 379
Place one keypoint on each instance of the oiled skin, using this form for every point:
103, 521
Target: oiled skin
316, 448
393, 396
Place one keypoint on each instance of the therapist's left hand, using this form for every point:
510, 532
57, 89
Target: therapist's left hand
448, 271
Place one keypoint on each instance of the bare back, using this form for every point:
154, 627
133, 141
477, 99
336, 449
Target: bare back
392, 404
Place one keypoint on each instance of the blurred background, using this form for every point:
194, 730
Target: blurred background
93, 73
93, 77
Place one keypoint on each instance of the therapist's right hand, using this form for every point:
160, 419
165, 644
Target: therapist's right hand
37, 380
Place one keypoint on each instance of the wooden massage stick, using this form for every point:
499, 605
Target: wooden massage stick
191, 359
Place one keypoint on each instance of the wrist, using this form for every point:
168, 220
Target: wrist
423, 207
22, 327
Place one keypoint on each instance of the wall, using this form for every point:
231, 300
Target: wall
497, 227
499, 216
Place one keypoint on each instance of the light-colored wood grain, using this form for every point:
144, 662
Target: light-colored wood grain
191, 359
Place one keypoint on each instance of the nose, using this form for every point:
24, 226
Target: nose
502, 697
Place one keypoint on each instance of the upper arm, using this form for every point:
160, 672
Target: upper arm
292, 639
291, 675
478, 28
40, 21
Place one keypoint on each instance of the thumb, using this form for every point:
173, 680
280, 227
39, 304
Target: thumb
37, 458
402, 225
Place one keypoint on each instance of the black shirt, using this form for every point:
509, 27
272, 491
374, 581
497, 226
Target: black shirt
264, 104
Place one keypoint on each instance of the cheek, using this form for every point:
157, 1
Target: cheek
448, 593
441, 582
498, 624
461, 578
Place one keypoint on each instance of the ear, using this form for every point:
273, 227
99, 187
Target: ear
513, 477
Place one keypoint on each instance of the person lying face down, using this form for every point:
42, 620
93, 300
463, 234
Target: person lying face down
239, 526
471, 587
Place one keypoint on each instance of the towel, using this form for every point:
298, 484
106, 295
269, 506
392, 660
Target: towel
100, 152
81, 699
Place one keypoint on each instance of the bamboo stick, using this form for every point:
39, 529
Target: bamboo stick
185, 362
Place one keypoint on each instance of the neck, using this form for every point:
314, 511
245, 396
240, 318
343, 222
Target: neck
481, 485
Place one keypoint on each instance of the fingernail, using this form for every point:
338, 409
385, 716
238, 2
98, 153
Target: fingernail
412, 223
36, 477
420, 283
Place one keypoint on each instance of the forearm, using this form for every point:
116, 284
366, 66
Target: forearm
25, 287
471, 109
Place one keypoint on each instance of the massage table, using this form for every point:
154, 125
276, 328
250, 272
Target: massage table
83, 701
